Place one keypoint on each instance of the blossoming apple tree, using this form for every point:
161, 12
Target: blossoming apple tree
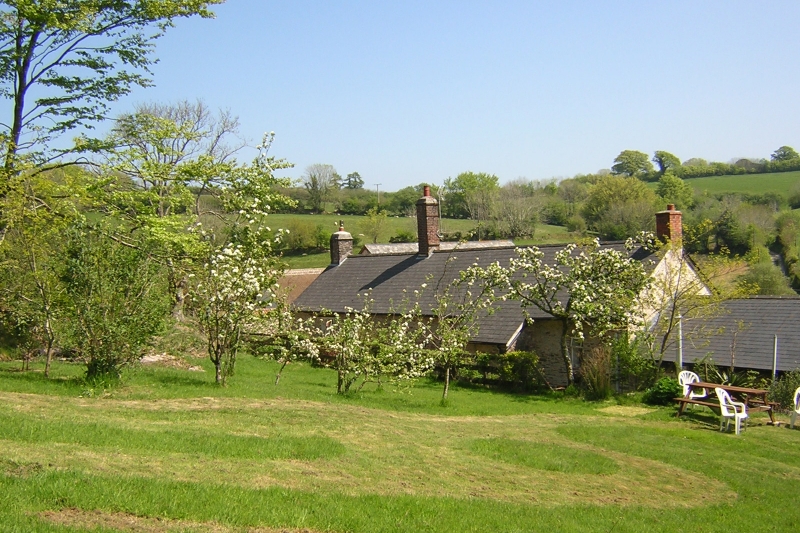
589, 289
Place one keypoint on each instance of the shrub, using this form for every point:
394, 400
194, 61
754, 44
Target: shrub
118, 300
403, 236
576, 224
596, 374
663, 392
635, 370
305, 236
782, 390
518, 370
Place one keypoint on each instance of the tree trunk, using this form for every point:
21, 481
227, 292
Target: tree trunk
278, 377
565, 353
446, 383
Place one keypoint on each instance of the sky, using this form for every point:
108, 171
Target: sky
405, 92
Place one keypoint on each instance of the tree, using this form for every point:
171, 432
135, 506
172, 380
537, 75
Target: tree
319, 180
679, 293
695, 162
675, 191
588, 289
615, 191
354, 181
32, 291
785, 153
456, 191
166, 148
234, 284
517, 210
480, 204
403, 202
117, 300
374, 223
175, 157
665, 161
632, 163
363, 346
61, 63
239, 277
458, 306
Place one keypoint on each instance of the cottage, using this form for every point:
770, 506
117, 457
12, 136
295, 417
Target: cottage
388, 271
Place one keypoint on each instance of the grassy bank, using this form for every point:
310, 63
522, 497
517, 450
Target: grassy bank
779, 182
169, 451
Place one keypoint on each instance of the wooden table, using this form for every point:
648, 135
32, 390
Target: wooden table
754, 399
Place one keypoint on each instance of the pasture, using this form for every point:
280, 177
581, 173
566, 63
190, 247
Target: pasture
778, 182
169, 451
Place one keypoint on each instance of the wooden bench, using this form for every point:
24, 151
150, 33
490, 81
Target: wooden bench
769, 407
683, 401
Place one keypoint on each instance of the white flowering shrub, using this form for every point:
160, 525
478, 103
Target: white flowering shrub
359, 345
240, 276
458, 309
283, 337
232, 287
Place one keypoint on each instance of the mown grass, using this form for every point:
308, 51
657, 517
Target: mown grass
169, 451
778, 182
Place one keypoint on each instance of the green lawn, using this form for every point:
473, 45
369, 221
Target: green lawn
779, 182
170, 451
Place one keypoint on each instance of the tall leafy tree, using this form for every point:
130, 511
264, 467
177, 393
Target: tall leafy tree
161, 150
320, 181
463, 185
675, 191
785, 153
63, 61
612, 193
632, 163
354, 181
665, 161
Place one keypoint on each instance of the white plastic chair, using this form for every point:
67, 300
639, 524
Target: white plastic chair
796, 406
686, 377
731, 410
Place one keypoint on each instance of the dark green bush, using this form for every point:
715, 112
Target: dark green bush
782, 390
663, 392
517, 370
404, 236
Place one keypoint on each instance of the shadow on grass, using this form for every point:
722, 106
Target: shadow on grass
183, 380
704, 416
35, 381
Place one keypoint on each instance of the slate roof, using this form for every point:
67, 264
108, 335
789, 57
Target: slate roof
339, 287
413, 247
762, 317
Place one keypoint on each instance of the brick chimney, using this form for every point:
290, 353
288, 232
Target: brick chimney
341, 245
668, 224
427, 223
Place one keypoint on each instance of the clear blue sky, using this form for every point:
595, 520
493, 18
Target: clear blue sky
411, 91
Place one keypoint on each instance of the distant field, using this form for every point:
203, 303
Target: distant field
545, 234
781, 182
